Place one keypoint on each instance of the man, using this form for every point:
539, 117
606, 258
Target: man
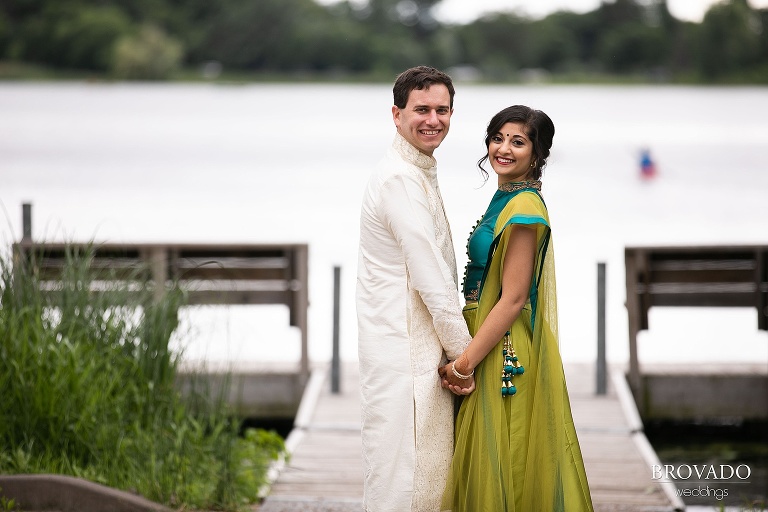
409, 315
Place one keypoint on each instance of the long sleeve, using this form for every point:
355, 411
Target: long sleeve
405, 207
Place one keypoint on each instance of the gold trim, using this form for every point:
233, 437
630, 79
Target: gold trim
520, 185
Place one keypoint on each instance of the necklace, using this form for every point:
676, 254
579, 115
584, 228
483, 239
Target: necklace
511, 186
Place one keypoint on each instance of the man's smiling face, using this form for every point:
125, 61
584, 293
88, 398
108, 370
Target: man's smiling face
425, 120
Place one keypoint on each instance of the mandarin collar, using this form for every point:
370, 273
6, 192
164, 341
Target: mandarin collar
412, 155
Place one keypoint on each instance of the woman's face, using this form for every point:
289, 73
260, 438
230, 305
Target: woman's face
510, 152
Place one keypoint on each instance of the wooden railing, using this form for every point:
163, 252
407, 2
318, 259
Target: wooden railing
208, 273
713, 276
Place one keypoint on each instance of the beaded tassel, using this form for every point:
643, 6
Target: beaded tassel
510, 368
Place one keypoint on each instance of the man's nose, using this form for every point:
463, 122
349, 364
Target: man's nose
433, 118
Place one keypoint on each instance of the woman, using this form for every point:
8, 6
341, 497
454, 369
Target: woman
516, 446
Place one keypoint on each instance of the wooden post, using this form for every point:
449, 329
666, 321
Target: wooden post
761, 287
335, 363
632, 262
601, 366
26, 222
158, 265
300, 304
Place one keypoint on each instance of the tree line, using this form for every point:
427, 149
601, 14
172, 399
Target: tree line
155, 39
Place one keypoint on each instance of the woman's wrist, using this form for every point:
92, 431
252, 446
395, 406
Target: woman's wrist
461, 367
458, 374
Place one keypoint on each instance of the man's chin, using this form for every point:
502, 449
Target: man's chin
429, 146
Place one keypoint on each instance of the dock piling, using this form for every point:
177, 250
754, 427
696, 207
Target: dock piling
335, 363
601, 366
26, 222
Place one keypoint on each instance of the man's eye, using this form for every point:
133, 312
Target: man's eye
443, 111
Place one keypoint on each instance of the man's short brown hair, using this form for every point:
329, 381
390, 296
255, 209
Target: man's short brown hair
419, 77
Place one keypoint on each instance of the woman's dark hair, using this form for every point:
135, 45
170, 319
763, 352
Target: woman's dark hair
538, 127
420, 77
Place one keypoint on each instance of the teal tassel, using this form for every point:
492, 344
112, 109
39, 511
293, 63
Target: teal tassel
510, 368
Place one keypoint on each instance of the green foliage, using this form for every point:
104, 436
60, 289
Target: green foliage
632, 46
249, 35
379, 38
5, 36
88, 383
147, 55
554, 45
498, 45
66, 36
7, 505
730, 39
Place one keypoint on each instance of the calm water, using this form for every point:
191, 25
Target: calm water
274, 163
268, 163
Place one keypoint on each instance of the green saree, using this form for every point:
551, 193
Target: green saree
518, 453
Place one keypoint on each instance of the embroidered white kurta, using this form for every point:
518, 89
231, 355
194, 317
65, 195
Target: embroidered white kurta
409, 319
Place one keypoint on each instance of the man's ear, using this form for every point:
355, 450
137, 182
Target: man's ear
396, 115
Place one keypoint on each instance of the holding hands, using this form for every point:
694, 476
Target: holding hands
457, 381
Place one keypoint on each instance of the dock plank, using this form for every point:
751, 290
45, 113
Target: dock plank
325, 471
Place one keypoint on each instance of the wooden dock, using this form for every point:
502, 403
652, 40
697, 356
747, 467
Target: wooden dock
324, 473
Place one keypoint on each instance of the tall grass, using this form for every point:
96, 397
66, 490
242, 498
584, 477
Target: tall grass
87, 388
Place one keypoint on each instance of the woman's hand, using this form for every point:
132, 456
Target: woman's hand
453, 383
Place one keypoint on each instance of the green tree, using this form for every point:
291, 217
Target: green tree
585, 29
253, 35
555, 42
147, 55
499, 44
400, 33
730, 39
388, 15
72, 36
5, 35
632, 47
763, 59
381, 37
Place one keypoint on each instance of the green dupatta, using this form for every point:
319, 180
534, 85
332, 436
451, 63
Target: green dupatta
519, 453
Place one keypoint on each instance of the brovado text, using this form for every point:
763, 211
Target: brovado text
723, 472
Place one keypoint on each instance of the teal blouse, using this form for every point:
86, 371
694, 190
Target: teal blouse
482, 235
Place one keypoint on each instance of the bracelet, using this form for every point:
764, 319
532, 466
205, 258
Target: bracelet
457, 374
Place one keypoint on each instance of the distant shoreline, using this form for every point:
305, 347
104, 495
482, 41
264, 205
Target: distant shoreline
11, 71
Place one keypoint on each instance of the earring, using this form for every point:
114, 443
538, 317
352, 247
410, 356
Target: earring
533, 164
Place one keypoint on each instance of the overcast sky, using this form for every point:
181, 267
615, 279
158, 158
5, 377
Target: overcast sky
464, 11
460, 11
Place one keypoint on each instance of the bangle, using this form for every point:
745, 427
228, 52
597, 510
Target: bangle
457, 374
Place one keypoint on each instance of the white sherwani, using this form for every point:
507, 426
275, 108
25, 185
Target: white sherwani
409, 318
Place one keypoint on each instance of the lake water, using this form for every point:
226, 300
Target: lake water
288, 162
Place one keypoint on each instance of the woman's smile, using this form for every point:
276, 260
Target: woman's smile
510, 152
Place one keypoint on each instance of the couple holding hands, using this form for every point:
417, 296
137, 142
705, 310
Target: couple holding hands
513, 445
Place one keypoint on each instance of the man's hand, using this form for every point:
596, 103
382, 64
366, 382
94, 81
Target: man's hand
451, 382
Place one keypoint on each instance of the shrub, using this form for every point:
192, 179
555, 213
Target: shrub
65, 35
88, 391
148, 55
